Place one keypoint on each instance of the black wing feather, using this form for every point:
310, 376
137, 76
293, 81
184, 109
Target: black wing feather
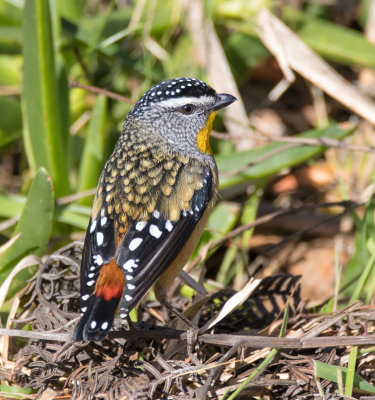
145, 264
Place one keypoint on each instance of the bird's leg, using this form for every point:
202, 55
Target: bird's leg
192, 331
178, 314
130, 323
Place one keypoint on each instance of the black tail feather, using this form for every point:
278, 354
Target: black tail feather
97, 320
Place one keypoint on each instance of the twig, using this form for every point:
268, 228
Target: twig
75, 196
10, 90
324, 141
105, 92
251, 341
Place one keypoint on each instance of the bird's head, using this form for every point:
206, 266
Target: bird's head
180, 112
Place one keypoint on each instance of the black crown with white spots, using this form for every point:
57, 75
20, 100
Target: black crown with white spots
173, 88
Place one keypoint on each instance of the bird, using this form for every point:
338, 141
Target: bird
153, 199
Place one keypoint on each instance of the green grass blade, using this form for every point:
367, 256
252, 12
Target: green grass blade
221, 220
35, 225
10, 121
14, 392
93, 153
71, 214
329, 372
43, 134
360, 265
338, 43
74, 215
361, 281
349, 381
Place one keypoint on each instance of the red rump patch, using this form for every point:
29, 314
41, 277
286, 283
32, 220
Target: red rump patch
110, 282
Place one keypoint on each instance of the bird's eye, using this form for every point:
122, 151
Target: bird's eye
187, 108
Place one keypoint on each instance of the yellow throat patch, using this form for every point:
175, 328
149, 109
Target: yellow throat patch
203, 138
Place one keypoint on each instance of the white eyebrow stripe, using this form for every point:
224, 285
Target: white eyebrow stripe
181, 101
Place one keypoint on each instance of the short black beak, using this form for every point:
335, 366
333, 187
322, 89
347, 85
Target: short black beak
223, 100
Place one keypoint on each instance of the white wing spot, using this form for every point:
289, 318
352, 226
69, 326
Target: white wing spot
160, 92
197, 208
135, 243
98, 260
103, 221
130, 286
129, 277
140, 225
83, 309
155, 231
93, 268
90, 283
104, 325
178, 90
92, 226
128, 298
90, 275
129, 265
184, 213
123, 315
99, 238
168, 225
156, 214
93, 325
85, 297
191, 212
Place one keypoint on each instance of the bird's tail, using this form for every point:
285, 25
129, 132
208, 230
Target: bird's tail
97, 319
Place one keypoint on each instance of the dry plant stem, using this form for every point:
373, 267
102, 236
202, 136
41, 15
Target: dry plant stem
214, 373
8, 223
250, 341
293, 54
370, 23
76, 196
105, 92
327, 323
212, 57
326, 142
10, 90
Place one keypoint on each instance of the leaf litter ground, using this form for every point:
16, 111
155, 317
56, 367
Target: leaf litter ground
146, 360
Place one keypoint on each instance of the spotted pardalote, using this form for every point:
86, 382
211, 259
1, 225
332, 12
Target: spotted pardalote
152, 201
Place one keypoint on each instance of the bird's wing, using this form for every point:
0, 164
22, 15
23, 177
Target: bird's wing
149, 247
